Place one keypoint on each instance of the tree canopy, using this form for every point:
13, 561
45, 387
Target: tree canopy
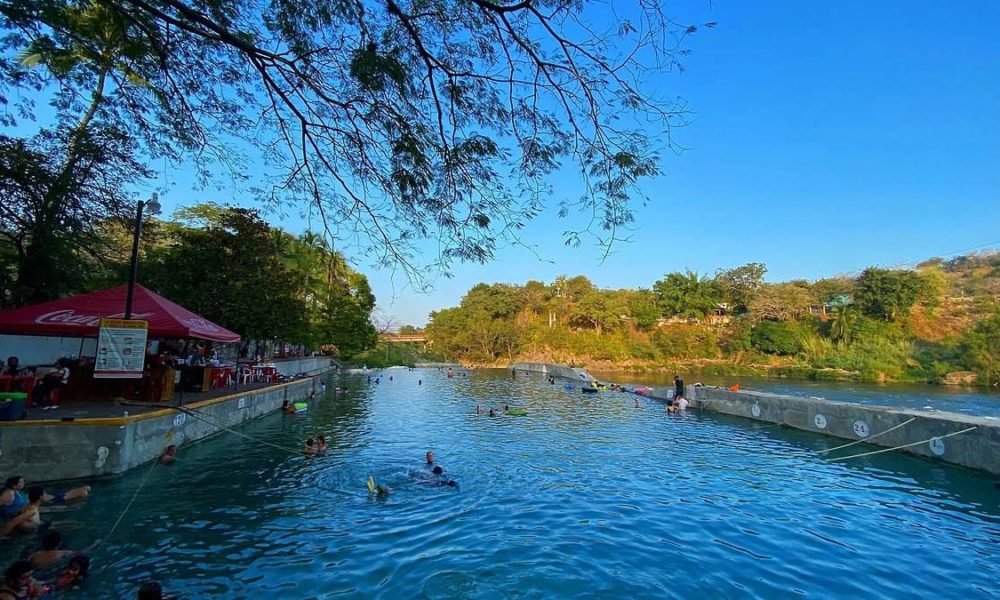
394, 121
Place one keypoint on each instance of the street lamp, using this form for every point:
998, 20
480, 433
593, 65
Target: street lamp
153, 206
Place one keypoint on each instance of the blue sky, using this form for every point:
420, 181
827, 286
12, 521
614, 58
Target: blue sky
825, 138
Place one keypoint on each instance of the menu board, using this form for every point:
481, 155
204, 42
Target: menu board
121, 349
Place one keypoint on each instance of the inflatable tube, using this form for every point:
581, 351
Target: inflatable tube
517, 412
301, 406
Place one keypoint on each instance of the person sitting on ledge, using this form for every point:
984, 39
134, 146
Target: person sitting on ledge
52, 381
13, 368
169, 455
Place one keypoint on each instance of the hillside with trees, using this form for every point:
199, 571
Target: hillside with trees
936, 323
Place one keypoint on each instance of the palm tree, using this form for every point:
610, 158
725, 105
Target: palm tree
844, 319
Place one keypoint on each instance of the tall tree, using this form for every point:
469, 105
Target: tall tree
779, 302
51, 209
395, 120
741, 284
231, 272
686, 295
887, 294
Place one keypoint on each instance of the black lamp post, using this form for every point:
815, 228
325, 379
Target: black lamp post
153, 205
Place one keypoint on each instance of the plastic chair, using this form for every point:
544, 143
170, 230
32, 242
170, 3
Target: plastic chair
246, 375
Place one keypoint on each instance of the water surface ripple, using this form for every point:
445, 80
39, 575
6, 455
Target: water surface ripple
587, 497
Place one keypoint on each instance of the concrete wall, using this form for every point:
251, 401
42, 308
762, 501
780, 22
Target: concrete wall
573, 373
46, 451
308, 365
978, 449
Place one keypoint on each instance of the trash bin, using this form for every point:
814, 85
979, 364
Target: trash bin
13, 406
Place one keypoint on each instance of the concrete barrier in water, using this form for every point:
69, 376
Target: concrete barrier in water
47, 450
929, 434
574, 373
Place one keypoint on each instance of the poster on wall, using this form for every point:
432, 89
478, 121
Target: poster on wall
121, 349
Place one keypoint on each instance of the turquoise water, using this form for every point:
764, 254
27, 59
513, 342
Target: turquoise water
965, 400
587, 497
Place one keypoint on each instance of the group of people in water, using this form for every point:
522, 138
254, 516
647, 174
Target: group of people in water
435, 477
50, 568
59, 569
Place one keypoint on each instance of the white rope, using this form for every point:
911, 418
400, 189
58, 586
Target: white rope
128, 506
868, 438
904, 445
197, 415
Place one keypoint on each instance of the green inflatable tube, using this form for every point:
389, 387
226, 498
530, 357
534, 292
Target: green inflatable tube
517, 412
301, 406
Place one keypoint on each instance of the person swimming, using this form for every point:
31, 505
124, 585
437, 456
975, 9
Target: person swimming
74, 573
376, 489
320, 443
429, 457
493, 413
637, 403
311, 447
288, 407
169, 455
440, 481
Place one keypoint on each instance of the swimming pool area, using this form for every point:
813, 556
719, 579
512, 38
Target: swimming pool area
586, 496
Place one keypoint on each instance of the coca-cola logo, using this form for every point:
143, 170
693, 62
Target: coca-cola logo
71, 317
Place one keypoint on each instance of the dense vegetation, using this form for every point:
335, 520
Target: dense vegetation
229, 266
939, 322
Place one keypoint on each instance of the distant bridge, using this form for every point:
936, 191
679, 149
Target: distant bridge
411, 338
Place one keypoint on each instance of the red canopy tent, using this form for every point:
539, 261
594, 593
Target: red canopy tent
81, 316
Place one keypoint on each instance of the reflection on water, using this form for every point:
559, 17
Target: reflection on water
972, 401
586, 496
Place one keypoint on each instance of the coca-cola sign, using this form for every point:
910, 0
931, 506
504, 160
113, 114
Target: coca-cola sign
69, 316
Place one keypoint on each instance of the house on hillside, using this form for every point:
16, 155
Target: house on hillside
721, 315
824, 310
